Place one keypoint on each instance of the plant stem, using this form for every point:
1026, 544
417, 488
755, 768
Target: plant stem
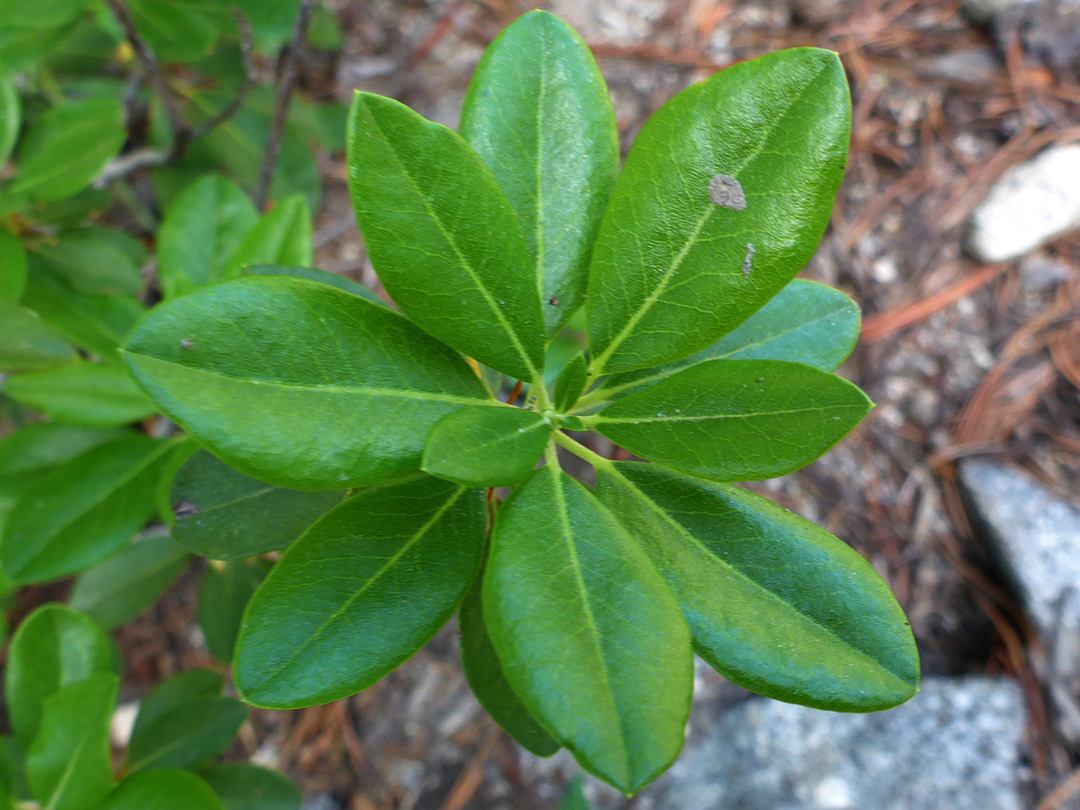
580, 450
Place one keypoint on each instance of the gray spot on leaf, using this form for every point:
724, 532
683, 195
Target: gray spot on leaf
726, 192
185, 510
748, 262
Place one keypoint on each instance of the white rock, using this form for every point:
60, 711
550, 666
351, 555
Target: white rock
1030, 204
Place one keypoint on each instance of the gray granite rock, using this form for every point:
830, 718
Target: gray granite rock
954, 746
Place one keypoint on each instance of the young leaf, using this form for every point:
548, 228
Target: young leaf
202, 229
722, 200
486, 447
242, 786
736, 420
361, 376
124, 586
571, 383
488, 680
310, 273
225, 515
750, 577
84, 512
27, 342
162, 790
408, 550
442, 236
53, 648
223, 595
10, 118
538, 113
12, 267
590, 637
65, 148
68, 765
95, 261
89, 394
805, 322
283, 236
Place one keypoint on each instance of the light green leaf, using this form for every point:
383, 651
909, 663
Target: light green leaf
443, 237
242, 786
571, 383
12, 267
25, 43
89, 394
488, 680
83, 512
672, 270
736, 420
223, 514
42, 446
486, 447
751, 578
223, 595
53, 648
310, 273
283, 236
95, 261
408, 550
805, 322
68, 764
65, 148
539, 114
162, 790
202, 229
27, 342
590, 637
362, 376
124, 586
10, 117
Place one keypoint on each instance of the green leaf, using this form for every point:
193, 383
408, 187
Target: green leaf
590, 637
736, 420
12, 266
10, 117
44, 13
53, 648
310, 273
539, 114
574, 797
83, 512
13, 786
124, 586
223, 595
27, 342
68, 764
751, 578
408, 550
95, 261
203, 227
242, 786
42, 446
223, 514
362, 376
805, 322
193, 686
486, 447
443, 237
283, 236
81, 393
488, 680
672, 270
177, 31
25, 43
162, 790
65, 148
571, 383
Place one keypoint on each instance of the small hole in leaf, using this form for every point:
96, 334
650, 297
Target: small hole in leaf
726, 192
186, 343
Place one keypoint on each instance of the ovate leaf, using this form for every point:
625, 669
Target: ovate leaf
751, 578
162, 789
722, 200
736, 420
539, 114
442, 236
223, 595
407, 550
12, 266
10, 117
368, 384
486, 447
81, 393
242, 786
27, 342
283, 236
589, 635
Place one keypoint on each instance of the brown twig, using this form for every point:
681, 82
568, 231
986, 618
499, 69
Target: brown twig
233, 107
1065, 791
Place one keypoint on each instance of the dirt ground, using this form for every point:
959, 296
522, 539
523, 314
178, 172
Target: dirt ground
961, 358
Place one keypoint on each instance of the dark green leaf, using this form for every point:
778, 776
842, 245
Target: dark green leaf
223, 514
83, 512
95, 261
81, 393
53, 647
65, 148
486, 447
162, 790
41, 446
224, 593
25, 43
50, 13
310, 273
203, 227
574, 797
10, 117
124, 586
736, 420
751, 578
68, 765
361, 375
488, 681
283, 236
590, 637
242, 786
193, 686
177, 30
571, 383
460, 273
27, 342
539, 114
325, 32
407, 550
13, 785
12, 267
672, 270
805, 322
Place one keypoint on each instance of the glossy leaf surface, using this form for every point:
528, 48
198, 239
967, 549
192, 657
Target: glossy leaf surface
776, 604
459, 272
486, 447
242, 786
538, 113
590, 636
736, 420
12, 267
408, 550
672, 270
223, 595
368, 383
282, 236
89, 394
27, 342
162, 789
